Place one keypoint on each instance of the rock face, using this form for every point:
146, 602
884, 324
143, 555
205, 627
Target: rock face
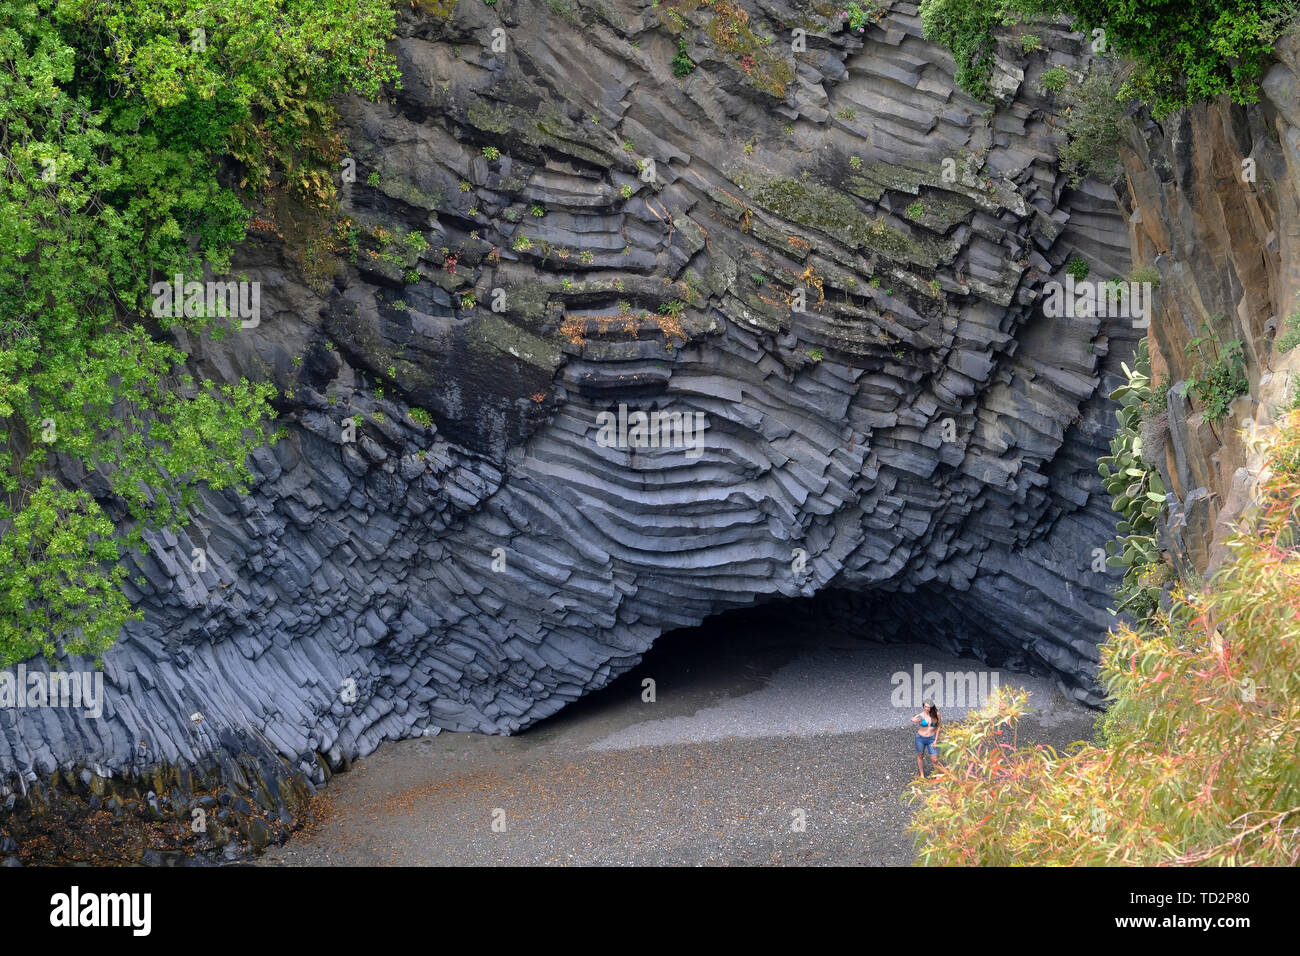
913, 451
1212, 201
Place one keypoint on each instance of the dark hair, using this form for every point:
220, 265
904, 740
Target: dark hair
934, 711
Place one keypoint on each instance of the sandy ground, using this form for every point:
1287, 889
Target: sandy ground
750, 734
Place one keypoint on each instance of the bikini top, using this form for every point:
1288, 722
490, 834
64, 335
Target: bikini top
925, 722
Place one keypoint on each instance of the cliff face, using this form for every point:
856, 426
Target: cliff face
1212, 203
917, 447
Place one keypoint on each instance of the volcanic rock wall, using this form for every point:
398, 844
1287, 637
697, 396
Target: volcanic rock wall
921, 437
1213, 204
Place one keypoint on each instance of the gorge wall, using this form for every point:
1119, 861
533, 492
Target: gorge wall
1212, 203
920, 442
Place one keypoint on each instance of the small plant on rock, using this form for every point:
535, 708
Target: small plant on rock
683, 65
1220, 375
1291, 334
1054, 80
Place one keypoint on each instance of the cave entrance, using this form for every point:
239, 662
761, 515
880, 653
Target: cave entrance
838, 662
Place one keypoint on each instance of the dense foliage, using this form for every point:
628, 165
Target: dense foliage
130, 131
1092, 129
1198, 761
1184, 52
1220, 373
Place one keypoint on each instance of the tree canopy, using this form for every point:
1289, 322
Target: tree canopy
136, 138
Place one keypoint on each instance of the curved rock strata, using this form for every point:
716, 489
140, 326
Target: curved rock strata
920, 441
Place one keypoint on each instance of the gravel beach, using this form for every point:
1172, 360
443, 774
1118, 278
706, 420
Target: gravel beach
759, 749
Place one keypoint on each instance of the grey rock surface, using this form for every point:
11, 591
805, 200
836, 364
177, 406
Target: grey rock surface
916, 448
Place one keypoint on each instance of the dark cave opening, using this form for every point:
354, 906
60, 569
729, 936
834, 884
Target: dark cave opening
912, 633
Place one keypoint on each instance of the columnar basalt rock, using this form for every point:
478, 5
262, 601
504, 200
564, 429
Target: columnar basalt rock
920, 441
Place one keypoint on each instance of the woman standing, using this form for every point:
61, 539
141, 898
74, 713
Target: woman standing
927, 736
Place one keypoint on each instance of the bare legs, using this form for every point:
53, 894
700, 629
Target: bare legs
920, 760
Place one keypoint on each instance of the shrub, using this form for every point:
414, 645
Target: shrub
491, 153
143, 132
1054, 80
1145, 274
420, 417
1092, 128
1218, 383
858, 16
1078, 268
966, 28
626, 191
915, 211
1196, 763
521, 244
683, 65
1184, 53
538, 210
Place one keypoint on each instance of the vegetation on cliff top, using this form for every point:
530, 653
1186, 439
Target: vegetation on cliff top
128, 133
1184, 52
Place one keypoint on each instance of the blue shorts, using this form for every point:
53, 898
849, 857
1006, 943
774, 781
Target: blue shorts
927, 745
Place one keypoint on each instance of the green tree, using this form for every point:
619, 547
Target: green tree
123, 127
